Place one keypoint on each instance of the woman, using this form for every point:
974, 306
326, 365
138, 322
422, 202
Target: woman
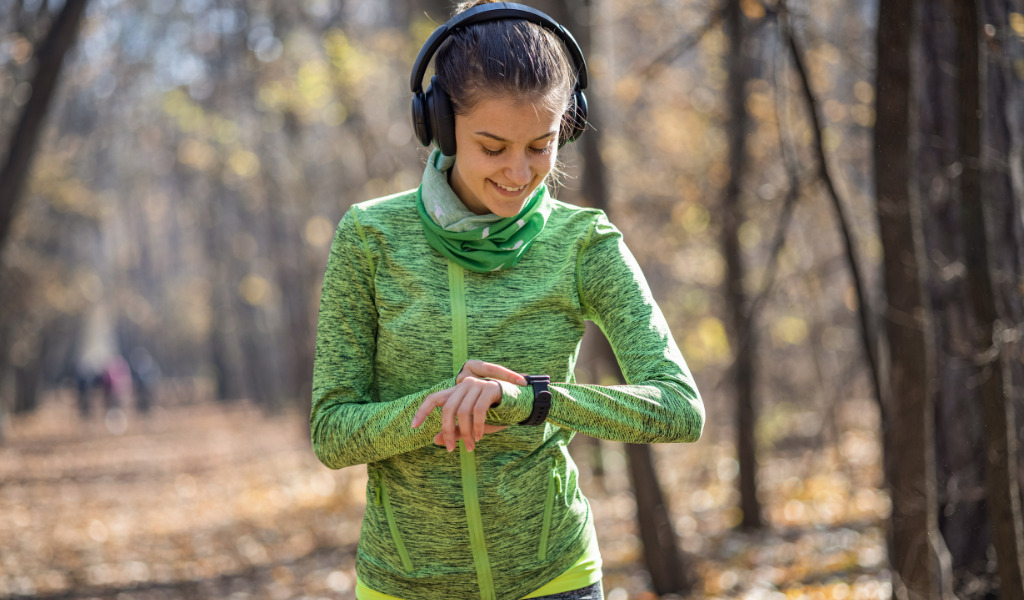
436, 300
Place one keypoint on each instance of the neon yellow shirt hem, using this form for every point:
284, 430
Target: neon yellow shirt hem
586, 571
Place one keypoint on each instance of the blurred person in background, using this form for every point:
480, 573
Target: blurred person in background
86, 378
435, 303
116, 380
145, 376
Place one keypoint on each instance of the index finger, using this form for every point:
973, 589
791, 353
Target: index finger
429, 404
479, 368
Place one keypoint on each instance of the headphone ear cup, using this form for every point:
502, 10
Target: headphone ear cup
574, 123
441, 115
419, 118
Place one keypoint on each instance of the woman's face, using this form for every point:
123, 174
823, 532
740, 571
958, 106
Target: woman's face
504, 150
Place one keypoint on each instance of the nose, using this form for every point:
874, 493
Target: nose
518, 170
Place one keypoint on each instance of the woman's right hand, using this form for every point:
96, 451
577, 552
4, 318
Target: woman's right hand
464, 409
482, 370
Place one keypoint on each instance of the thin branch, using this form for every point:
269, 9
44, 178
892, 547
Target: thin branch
778, 238
867, 328
811, 33
686, 43
788, 206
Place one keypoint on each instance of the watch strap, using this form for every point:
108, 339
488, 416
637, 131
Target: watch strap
541, 399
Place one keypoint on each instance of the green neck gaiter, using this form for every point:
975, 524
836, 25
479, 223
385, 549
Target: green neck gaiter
496, 244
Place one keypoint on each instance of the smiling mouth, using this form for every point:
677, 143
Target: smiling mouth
509, 189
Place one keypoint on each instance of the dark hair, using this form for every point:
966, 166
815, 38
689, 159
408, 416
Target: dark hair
504, 57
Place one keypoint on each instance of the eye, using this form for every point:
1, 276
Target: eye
490, 152
545, 150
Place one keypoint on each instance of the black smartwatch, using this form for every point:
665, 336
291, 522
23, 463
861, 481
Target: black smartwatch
541, 399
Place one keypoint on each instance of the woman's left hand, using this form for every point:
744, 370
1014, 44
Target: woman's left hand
466, 401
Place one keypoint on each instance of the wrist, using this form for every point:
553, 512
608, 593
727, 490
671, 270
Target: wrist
515, 404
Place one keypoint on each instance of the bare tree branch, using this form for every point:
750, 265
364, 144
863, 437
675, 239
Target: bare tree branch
788, 206
685, 43
867, 324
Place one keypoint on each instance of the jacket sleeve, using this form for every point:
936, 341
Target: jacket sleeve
659, 402
349, 425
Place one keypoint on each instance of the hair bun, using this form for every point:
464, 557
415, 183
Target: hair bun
464, 6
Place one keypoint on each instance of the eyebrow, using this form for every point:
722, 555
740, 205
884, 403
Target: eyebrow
503, 140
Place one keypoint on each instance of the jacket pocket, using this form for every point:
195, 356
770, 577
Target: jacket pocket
554, 484
381, 499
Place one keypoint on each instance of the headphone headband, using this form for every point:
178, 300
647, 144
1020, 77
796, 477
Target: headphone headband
433, 115
493, 12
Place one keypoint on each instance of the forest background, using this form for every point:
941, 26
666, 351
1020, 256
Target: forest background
825, 196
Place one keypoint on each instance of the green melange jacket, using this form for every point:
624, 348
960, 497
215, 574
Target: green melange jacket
397, 321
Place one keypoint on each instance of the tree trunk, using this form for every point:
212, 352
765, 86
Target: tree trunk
218, 224
990, 354
291, 270
22, 149
663, 559
1004, 182
595, 191
915, 543
741, 327
661, 553
963, 518
6, 376
1005, 140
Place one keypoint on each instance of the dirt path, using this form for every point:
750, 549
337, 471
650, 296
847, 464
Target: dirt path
200, 501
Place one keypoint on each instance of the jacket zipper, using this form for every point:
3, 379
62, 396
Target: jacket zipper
460, 352
554, 482
380, 498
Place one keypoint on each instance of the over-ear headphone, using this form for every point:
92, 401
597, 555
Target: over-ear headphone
433, 116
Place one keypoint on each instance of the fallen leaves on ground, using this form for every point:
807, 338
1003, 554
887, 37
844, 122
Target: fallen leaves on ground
222, 501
